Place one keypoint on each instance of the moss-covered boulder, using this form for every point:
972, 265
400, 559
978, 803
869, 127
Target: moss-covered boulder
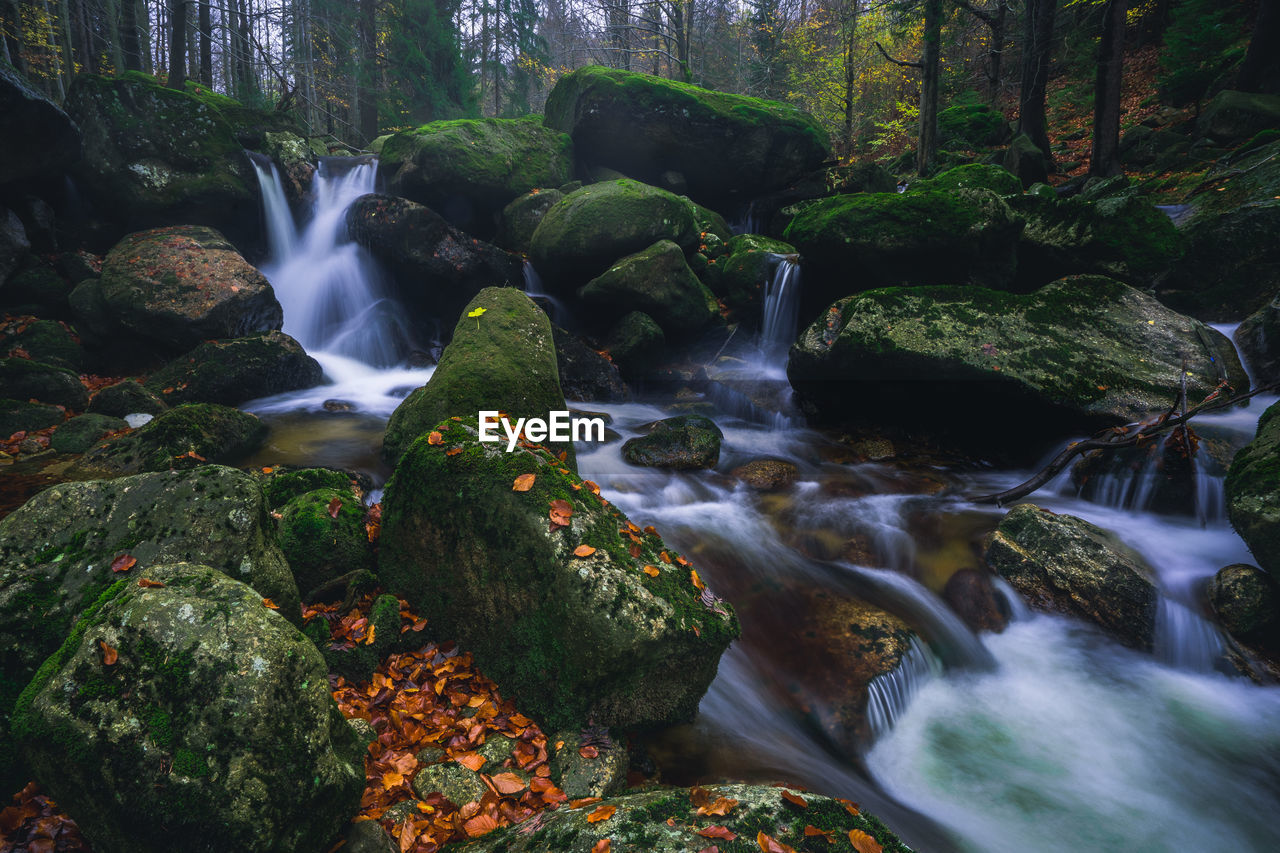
437, 267
1081, 353
126, 397
581, 773
281, 485
1121, 236
183, 437
1258, 340
745, 271
39, 138
520, 219
295, 161
36, 288
972, 176
23, 379
211, 716
84, 431
859, 242
603, 635
153, 155
176, 287
580, 236
47, 341
235, 370
1246, 602
665, 820
636, 344
322, 536
687, 442
21, 416
1024, 159
1253, 492
469, 169
1064, 564
503, 360
972, 125
728, 148
658, 282
1233, 116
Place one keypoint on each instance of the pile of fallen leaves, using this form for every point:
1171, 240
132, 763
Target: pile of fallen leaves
35, 825
434, 697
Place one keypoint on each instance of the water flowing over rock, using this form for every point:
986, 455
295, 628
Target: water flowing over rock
210, 721
1067, 565
1253, 492
548, 570
38, 137
726, 147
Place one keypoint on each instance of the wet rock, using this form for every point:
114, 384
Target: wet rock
745, 272
658, 282
126, 398
685, 443
184, 437
1258, 339
727, 147
20, 416
235, 370
1066, 565
584, 373
972, 596
599, 770
766, 475
23, 379
1246, 602
520, 219
39, 138
323, 540
295, 162
600, 638
179, 286
215, 721
636, 344
1253, 492
83, 432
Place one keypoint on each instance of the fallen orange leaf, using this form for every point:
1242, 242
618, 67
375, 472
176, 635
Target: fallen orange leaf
812, 830
148, 583
864, 843
602, 813
795, 799
271, 604
434, 437
602, 846
109, 655
123, 563
523, 483
695, 580
769, 844
583, 551
507, 783
472, 761
721, 832
652, 571
334, 506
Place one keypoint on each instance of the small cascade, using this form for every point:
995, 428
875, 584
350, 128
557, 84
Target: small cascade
748, 221
888, 695
282, 235
1184, 639
1015, 604
537, 291
781, 305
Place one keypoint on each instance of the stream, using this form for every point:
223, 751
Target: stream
1046, 737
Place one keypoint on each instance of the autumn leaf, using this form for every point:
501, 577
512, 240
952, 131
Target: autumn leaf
720, 808
523, 483
270, 604
589, 751
769, 844
368, 641
601, 814
507, 783
812, 830
652, 571
148, 583
434, 437
795, 799
334, 506
695, 580
585, 801
561, 512
864, 843
472, 761
721, 832
602, 846
479, 825
109, 655
391, 780
453, 451
849, 805
123, 563
583, 551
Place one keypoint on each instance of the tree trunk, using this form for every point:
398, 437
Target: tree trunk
927, 150
995, 49
11, 27
1260, 71
1036, 46
367, 111
177, 44
130, 45
1104, 161
206, 44
850, 72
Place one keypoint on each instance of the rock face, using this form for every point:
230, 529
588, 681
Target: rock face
1253, 492
468, 169
235, 370
437, 267
684, 443
726, 147
584, 373
1246, 602
1083, 352
1258, 339
154, 155
859, 242
183, 437
600, 638
1235, 116
589, 229
176, 287
658, 282
502, 360
1066, 565
47, 141
640, 823
636, 344
214, 720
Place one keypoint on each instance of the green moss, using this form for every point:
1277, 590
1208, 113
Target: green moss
320, 545
972, 176
189, 763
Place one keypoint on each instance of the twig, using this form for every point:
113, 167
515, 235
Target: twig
901, 62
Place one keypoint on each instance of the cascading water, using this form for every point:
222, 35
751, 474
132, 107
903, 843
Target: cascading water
781, 305
889, 695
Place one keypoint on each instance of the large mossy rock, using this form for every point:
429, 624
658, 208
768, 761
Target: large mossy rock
47, 341
183, 437
1081, 353
636, 344
1025, 159
599, 638
503, 360
972, 176
520, 219
21, 416
859, 242
437, 268
23, 379
234, 370
154, 156
658, 282
665, 820
179, 286
322, 539
972, 126
683, 443
589, 229
469, 169
1233, 116
38, 137
126, 397
1253, 492
213, 724
728, 148
1064, 564
82, 432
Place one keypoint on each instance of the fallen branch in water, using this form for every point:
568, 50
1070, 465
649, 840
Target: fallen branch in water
1126, 436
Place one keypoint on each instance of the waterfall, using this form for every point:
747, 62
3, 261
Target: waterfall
781, 304
282, 235
555, 310
888, 695
1184, 639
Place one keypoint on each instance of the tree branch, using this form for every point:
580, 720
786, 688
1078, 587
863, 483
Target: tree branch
901, 62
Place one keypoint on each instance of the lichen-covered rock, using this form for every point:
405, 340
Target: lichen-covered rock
322, 540
1253, 492
176, 287
47, 341
658, 282
599, 637
38, 138
729, 148
1258, 339
1064, 564
294, 160
767, 475
153, 155
664, 820
502, 360
859, 242
599, 772
468, 169
1081, 352
235, 370
580, 236
636, 344
746, 270
1246, 602
83, 431
684, 443
520, 219
212, 718
584, 373
126, 398
21, 416
972, 176
183, 437
23, 379
1233, 116
437, 267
